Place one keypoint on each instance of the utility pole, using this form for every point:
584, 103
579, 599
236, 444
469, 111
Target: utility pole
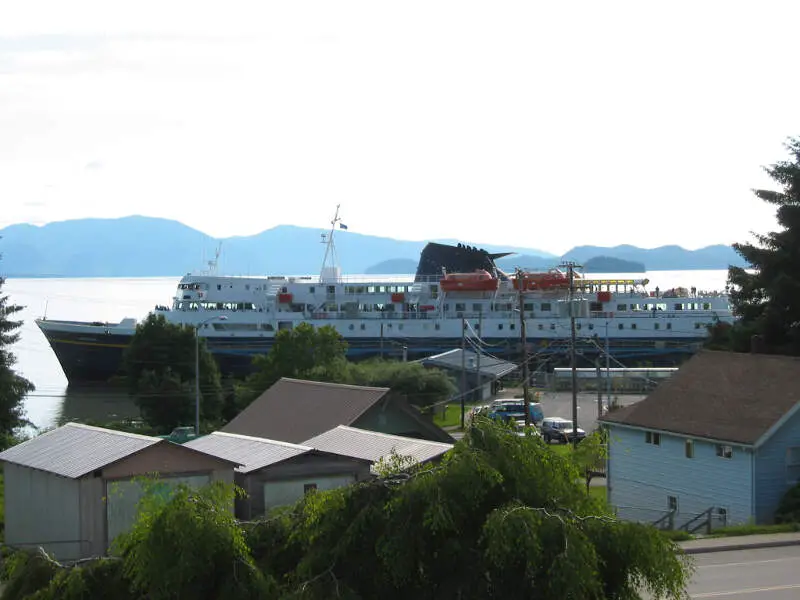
478, 377
523, 337
463, 367
599, 388
608, 370
571, 271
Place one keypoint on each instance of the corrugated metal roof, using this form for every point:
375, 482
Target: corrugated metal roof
371, 445
75, 449
489, 367
252, 453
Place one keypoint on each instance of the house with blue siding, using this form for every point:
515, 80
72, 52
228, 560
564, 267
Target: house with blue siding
721, 437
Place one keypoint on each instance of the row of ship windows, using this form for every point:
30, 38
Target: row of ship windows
363, 326
461, 307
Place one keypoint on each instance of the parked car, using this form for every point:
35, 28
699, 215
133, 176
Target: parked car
180, 435
508, 410
556, 428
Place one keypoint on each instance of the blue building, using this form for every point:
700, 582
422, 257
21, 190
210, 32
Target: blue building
719, 440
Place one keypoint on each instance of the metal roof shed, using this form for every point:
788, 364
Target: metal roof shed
481, 372
275, 473
374, 446
71, 490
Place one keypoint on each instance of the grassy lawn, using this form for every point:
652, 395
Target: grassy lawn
452, 415
562, 449
598, 492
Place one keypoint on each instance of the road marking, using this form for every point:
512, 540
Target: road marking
750, 562
774, 588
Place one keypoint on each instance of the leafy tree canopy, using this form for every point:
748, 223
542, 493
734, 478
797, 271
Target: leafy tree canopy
319, 354
421, 386
13, 387
768, 300
160, 366
501, 516
299, 353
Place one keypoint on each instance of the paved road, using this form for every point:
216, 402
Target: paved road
559, 404
770, 573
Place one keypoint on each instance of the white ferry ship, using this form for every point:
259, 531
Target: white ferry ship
457, 291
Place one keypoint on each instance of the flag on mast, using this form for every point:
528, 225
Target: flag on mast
342, 226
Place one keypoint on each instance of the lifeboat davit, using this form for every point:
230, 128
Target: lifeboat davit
479, 281
552, 279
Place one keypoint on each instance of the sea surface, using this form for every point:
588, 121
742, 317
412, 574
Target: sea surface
112, 299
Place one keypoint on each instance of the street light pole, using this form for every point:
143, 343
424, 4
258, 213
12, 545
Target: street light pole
197, 370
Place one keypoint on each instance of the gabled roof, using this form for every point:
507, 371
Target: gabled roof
372, 446
489, 366
722, 396
252, 453
294, 410
75, 450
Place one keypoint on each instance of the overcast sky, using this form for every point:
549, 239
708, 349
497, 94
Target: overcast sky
529, 123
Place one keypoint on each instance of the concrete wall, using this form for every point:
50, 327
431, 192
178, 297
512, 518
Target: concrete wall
285, 492
123, 496
642, 476
167, 459
284, 482
42, 509
93, 515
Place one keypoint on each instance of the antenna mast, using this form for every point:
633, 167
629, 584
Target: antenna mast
330, 263
212, 264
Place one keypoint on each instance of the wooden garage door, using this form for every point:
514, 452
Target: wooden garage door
122, 499
281, 493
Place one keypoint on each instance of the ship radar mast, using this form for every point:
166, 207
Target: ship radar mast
214, 262
330, 263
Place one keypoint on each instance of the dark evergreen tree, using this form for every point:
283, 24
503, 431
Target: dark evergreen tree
768, 300
160, 365
13, 387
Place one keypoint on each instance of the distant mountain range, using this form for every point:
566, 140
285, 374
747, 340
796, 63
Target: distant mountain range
149, 247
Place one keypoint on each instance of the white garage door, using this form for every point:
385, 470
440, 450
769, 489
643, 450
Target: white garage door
122, 499
280, 493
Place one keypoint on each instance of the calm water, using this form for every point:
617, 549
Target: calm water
112, 299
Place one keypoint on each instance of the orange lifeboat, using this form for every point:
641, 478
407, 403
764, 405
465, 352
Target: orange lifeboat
479, 281
552, 279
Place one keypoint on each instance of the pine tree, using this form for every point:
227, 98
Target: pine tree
13, 387
768, 300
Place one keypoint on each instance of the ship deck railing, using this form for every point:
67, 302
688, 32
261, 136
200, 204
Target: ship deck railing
471, 316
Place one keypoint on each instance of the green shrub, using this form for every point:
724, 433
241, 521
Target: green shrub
677, 535
103, 578
25, 572
789, 508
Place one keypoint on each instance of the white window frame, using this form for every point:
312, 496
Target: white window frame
793, 464
724, 451
652, 437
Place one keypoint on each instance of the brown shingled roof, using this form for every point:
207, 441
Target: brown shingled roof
721, 396
293, 410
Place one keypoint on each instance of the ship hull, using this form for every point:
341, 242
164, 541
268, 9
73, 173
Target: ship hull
96, 356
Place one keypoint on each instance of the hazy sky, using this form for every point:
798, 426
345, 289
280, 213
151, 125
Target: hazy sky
545, 124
